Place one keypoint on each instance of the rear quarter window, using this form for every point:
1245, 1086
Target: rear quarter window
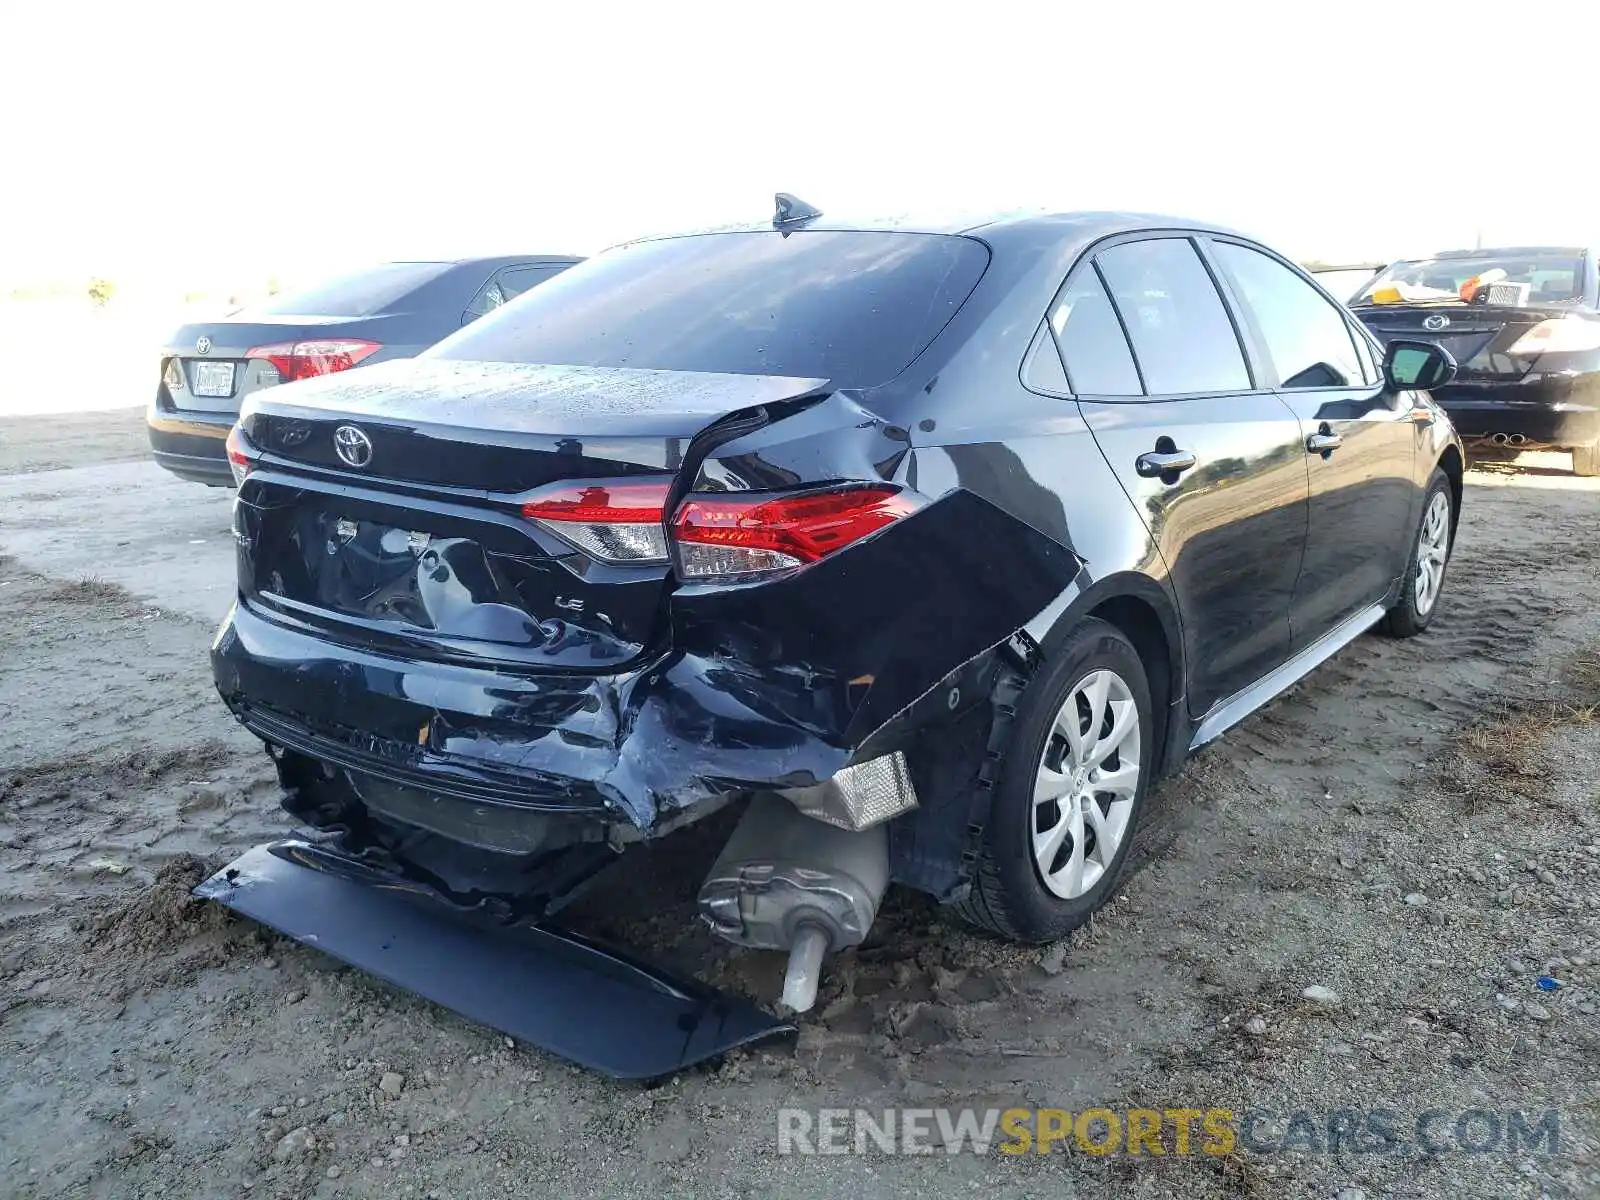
852, 307
1092, 343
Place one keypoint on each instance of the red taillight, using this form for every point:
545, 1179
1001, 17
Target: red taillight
308, 359
717, 537
1557, 335
742, 536
616, 521
239, 458
605, 502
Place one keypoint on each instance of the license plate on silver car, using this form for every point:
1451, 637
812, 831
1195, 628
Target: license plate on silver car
211, 378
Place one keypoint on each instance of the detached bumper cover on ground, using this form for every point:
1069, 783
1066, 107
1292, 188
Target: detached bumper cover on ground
536, 983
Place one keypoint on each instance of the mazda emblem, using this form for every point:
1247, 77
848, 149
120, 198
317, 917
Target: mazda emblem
353, 447
202, 345
1436, 322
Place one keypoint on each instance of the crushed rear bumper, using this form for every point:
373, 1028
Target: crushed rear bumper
532, 981
632, 746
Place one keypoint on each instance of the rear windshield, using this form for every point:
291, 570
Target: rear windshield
358, 294
1550, 279
850, 307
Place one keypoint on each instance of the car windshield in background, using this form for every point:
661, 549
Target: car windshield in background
851, 307
1549, 279
358, 294
1342, 284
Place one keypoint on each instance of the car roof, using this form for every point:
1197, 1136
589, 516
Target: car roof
502, 259
1033, 228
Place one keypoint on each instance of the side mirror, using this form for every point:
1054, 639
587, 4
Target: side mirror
1419, 365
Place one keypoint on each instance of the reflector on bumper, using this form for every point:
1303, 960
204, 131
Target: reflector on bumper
538, 984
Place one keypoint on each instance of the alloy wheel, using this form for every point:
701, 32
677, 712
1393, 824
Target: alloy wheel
1086, 783
1433, 548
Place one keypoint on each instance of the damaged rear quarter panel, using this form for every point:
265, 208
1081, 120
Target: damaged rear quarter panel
781, 683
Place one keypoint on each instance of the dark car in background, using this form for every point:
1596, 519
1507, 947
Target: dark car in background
945, 543
1523, 324
385, 312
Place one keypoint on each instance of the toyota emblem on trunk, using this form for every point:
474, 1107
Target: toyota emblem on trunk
202, 344
1436, 322
352, 446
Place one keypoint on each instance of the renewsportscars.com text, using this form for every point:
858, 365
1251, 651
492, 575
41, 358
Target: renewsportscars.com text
1177, 1131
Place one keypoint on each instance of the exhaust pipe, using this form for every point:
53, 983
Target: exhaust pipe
1517, 439
786, 881
1499, 439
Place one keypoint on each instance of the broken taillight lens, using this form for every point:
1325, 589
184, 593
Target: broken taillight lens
240, 460
728, 538
615, 521
745, 537
309, 359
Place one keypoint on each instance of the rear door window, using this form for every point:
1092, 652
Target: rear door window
1307, 339
851, 307
1093, 347
1181, 333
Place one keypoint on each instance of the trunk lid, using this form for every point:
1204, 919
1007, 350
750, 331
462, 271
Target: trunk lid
1477, 336
420, 542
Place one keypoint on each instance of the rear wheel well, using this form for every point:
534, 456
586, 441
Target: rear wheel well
1141, 625
1452, 466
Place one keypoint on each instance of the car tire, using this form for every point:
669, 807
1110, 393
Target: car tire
1586, 460
1419, 597
1010, 894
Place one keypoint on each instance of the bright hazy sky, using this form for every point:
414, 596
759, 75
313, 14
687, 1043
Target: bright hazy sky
220, 141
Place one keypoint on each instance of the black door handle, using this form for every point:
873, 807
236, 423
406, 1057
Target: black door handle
1153, 463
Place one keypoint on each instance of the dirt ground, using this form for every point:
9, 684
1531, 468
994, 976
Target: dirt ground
1414, 827
51, 442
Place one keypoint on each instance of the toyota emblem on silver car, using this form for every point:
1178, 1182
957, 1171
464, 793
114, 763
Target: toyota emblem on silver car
202, 344
352, 446
1436, 322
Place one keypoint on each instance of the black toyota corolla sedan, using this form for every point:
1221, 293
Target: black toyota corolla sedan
1524, 324
932, 549
366, 317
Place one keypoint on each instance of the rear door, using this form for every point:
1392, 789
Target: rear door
1212, 461
1360, 439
